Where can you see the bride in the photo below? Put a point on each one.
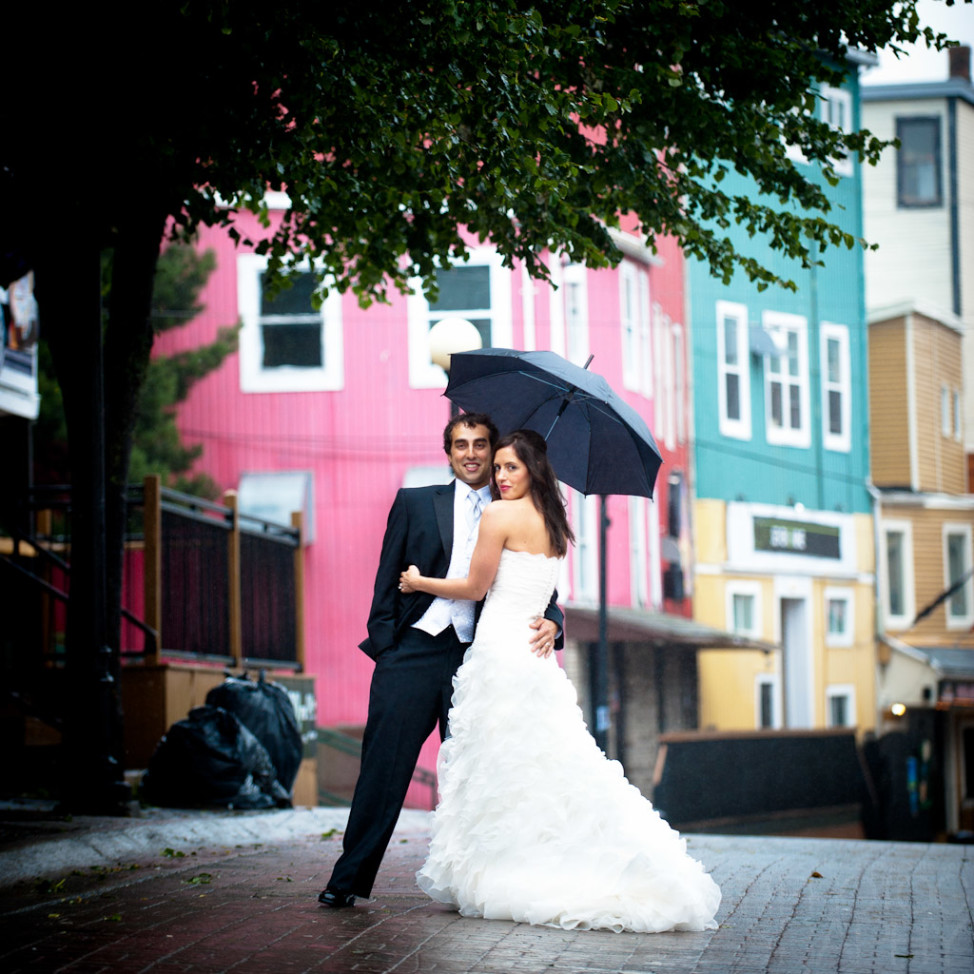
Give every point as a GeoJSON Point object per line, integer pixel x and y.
{"type": "Point", "coordinates": [534, 823]}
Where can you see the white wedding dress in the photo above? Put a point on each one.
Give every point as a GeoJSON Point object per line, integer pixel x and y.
{"type": "Point", "coordinates": [534, 823]}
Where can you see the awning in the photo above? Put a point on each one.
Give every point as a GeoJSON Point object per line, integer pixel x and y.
{"type": "Point", "coordinates": [662, 628]}
{"type": "Point", "coordinates": [947, 662]}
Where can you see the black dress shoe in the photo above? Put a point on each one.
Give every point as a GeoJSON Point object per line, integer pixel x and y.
{"type": "Point", "coordinates": [336, 898]}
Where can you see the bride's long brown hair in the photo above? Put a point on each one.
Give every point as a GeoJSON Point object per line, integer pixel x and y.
{"type": "Point", "coordinates": [530, 448]}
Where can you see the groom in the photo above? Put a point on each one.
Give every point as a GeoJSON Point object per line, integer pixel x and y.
{"type": "Point", "coordinates": [417, 643]}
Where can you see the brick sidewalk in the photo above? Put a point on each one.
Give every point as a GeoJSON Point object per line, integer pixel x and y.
{"type": "Point", "coordinates": [790, 905]}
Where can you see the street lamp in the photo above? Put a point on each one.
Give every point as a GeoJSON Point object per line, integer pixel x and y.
{"type": "Point", "coordinates": [451, 335]}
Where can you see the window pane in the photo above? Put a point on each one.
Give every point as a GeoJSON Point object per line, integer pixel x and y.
{"type": "Point", "coordinates": [295, 300]}
{"type": "Point", "coordinates": [733, 387]}
{"type": "Point", "coordinates": [766, 717]}
{"type": "Point", "coordinates": [837, 616]}
{"type": "Point", "coordinates": [462, 288]}
{"type": "Point", "coordinates": [918, 161]}
{"type": "Point", "coordinates": [894, 568]}
{"type": "Point", "coordinates": [777, 418]}
{"type": "Point", "coordinates": [298, 345]}
{"type": "Point", "coordinates": [835, 412]}
{"type": "Point", "coordinates": [792, 353]}
{"type": "Point", "coordinates": [956, 565]}
{"type": "Point", "coordinates": [839, 711]}
{"type": "Point", "coordinates": [730, 341]}
{"type": "Point", "coordinates": [795, 410]}
{"type": "Point", "coordinates": [743, 613]}
{"type": "Point", "coordinates": [834, 361]}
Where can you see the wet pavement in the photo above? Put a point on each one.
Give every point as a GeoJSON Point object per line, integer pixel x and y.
{"type": "Point", "coordinates": [211, 891]}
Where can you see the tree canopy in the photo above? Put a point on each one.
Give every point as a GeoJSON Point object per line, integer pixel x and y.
{"type": "Point", "coordinates": [391, 124]}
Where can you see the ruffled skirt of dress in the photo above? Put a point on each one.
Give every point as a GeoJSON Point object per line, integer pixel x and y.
{"type": "Point", "coordinates": [535, 824]}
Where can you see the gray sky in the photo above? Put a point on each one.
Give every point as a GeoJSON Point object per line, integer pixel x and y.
{"type": "Point", "coordinates": [957, 22]}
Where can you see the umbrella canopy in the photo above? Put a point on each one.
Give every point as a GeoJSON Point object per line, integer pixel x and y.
{"type": "Point", "coordinates": [597, 443]}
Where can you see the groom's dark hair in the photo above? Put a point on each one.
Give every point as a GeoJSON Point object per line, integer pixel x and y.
{"type": "Point", "coordinates": [469, 419]}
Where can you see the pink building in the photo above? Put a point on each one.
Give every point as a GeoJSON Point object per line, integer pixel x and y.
{"type": "Point", "coordinates": [333, 410]}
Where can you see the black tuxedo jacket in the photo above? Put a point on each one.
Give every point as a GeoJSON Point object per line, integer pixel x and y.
{"type": "Point", "coordinates": [419, 532]}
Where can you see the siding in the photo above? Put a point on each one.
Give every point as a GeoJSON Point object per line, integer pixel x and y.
{"type": "Point", "coordinates": [888, 406]}
{"type": "Point", "coordinates": [913, 260]}
{"type": "Point", "coordinates": [937, 364]}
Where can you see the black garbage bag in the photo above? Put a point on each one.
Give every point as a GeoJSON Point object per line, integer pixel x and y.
{"type": "Point", "coordinates": [266, 711]}
{"type": "Point", "coordinates": [210, 758]}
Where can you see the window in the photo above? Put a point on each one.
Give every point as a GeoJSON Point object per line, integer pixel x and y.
{"type": "Point", "coordinates": [918, 180]}
{"type": "Point", "coordinates": [744, 608]}
{"type": "Point", "coordinates": [576, 313]}
{"type": "Point", "coordinates": [957, 566]}
{"type": "Point", "coordinates": [840, 705]}
{"type": "Point", "coordinates": [585, 568]}
{"type": "Point", "coordinates": [766, 702]}
{"type": "Point", "coordinates": [837, 113]}
{"type": "Point", "coordinates": [950, 412]}
{"type": "Point", "coordinates": [897, 562]}
{"type": "Point", "coordinates": [638, 554]}
{"type": "Point", "coordinates": [838, 617]}
{"type": "Point", "coordinates": [478, 291]}
{"type": "Point", "coordinates": [634, 310]}
{"type": "Point", "coordinates": [786, 381]}
{"type": "Point", "coordinates": [733, 371]}
{"type": "Point", "coordinates": [836, 388]}
{"type": "Point", "coordinates": [286, 345]}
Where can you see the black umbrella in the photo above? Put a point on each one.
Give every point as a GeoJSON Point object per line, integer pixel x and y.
{"type": "Point", "coordinates": [597, 443]}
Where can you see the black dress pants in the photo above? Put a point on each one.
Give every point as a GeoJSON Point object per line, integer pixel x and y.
{"type": "Point", "coordinates": [412, 687]}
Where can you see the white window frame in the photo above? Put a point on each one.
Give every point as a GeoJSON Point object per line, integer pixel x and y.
{"type": "Point", "coordinates": [846, 595]}
{"type": "Point", "coordinates": [747, 589]}
{"type": "Point", "coordinates": [958, 416]}
{"type": "Point", "coordinates": [423, 373]}
{"type": "Point", "coordinates": [779, 325]}
{"type": "Point", "coordinates": [948, 529]}
{"type": "Point", "coordinates": [840, 690]}
{"type": "Point", "coordinates": [585, 557]}
{"type": "Point", "coordinates": [841, 441]}
{"type": "Point", "coordinates": [739, 428]}
{"type": "Point", "coordinates": [329, 377]}
{"type": "Point", "coordinates": [635, 328]}
{"type": "Point", "coordinates": [905, 619]}
{"type": "Point", "coordinates": [946, 420]}
{"type": "Point", "coordinates": [638, 553]}
{"type": "Point", "coordinates": [574, 286]}
{"type": "Point", "coordinates": [679, 382]}
{"type": "Point", "coordinates": [837, 112]}
{"type": "Point", "coordinates": [771, 680]}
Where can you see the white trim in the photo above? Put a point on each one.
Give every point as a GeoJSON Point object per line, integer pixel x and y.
{"type": "Point", "coordinates": [254, 377]}
{"type": "Point", "coordinates": [846, 595]}
{"type": "Point", "coordinates": [904, 620]}
{"type": "Point", "coordinates": [842, 441]}
{"type": "Point", "coordinates": [781, 324]}
{"type": "Point", "coordinates": [964, 530]}
{"type": "Point", "coordinates": [585, 555]}
{"type": "Point", "coordinates": [638, 553]}
{"type": "Point", "coordinates": [798, 685]}
{"type": "Point", "coordinates": [740, 427]}
{"type": "Point", "coordinates": [840, 100]}
{"type": "Point", "coordinates": [556, 310]}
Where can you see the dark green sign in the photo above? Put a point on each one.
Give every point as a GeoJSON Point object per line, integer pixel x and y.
{"type": "Point", "coordinates": [796, 537]}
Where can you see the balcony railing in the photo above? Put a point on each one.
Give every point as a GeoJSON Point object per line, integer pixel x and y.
{"type": "Point", "coordinates": [201, 581]}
